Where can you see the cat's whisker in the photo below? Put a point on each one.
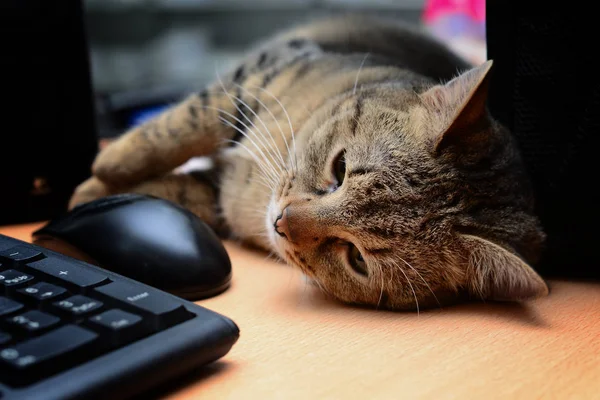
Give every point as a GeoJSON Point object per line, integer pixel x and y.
{"type": "Point", "coordinates": [262, 179]}
{"type": "Point", "coordinates": [260, 102]}
{"type": "Point", "coordinates": [237, 194]}
{"type": "Point", "coordinates": [252, 211]}
{"type": "Point", "coordinates": [411, 288]}
{"type": "Point", "coordinates": [391, 280]}
{"type": "Point", "coordinates": [271, 144]}
{"type": "Point", "coordinates": [259, 233]}
{"type": "Point", "coordinates": [479, 284]}
{"type": "Point", "coordinates": [267, 181]}
{"type": "Point", "coordinates": [296, 264]}
{"type": "Point", "coordinates": [266, 167]}
{"type": "Point", "coordinates": [229, 96]}
{"type": "Point", "coordinates": [262, 212]}
{"type": "Point", "coordinates": [319, 285]}
{"type": "Point", "coordinates": [261, 183]}
{"type": "Point", "coordinates": [263, 176]}
{"type": "Point", "coordinates": [423, 279]}
{"type": "Point", "coordinates": [304, 287]}
{"type": "Point", "coordinates": [358, 73]}
{"type": "Point", "coordinates": [263, 231]}
{"type": "Point", "coordinates": [272, 256]}
{"type": "Point", "coordinates": [294, 158]}
{"type": "Point", "coordinates": [382, 286]}
{"type": "Point", "coordinates": [275, 175]}
{"type": "Point", "coordinates": [249, 207]}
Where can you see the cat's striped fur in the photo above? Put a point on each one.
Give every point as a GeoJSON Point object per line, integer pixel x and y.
{"type": "Point", "coordinates": [359, 151]}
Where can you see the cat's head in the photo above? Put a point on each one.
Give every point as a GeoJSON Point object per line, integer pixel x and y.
{"type": "Point", "coordinates": [403, 198]}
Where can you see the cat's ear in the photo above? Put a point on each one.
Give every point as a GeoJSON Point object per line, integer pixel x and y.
{"type": "Point", "coordinates": [458, 107]}
{"type": "Point", "coordinates": [496, 274]}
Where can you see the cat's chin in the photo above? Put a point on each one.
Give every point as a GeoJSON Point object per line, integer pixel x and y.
{"type": "Point", "coordinates": [270, 218]}
{"type": "Point", "coordinates": [278, 244]}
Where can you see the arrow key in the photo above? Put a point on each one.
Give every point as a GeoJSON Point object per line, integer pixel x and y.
{"type": "Point", "coordinates": [42, 292]}
{"type": "Point", "coordinates": [33, 321]}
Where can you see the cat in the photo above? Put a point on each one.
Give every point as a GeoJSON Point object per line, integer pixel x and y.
{"type": "Point", "coordinates": [359, 150]}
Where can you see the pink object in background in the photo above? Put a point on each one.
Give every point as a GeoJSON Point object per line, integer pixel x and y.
{"type": "Point", "coordinates": [460, 24]}
{"type": "Point", "coordinates": [475, 9]}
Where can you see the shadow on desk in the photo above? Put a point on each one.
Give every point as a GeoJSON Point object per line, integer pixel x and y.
{"type": "Point", "coordinates": [308, 298]}
{"type": "Point", "coordinates": [198, 376]}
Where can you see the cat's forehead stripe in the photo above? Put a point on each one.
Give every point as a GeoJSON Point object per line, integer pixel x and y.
{"type": "Point", "coordinates": [378, 251]}
{"type": "Point", "coordinates": [356, 116]}
{"type": "Point", "coordinates": [361, 170]}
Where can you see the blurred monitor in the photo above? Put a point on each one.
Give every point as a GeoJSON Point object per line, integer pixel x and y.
{"type": "Point", "coordinates": [47, 115]}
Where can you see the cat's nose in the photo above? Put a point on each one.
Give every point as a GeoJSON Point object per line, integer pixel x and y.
{"type": "Point", "coordinates": [281, 224]}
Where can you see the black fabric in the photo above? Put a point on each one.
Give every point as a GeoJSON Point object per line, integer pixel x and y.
{"type": "Point", "coordinates": [546, 87]}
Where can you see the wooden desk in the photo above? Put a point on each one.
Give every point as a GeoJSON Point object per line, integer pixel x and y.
{"type": "Point", "coordinates": [297, 344]}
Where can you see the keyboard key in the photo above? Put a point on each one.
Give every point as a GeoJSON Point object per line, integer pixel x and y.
{"type": "Point", "coordinates": [33, 321]}
{"type": "Point", "coordinates": [20, 254]}
{"type": "Point", "coordinates": [4, 338]}
{"type": "Point", "coordinates": [58, 314]}
{"type": "Point", "coordinates": [8, 306]}
{"type": "Point", "coordinates": [48, 353]}
{"type": "Point", "coordinates": [42, 291]}
{"type": "Point", "coordinates": [78, 305]}
{"type": "Point", "coordinates": [120, 326]}
{"type": "Point", "coordinates": [162, 310]}
{"type": "Point", "coordinates": [69, 272]}
{"type": "Point", "coordinates": [11, 277]}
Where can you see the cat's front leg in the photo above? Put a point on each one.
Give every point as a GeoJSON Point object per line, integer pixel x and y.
{"type": "Point", "coordinates": [196, 192]}
{"type": "Point", "coordinates": [188, 129]}
{"type": "Point", "coordinates": [203, 122]}
{"type": "Point", "coordinates": [89, 190]}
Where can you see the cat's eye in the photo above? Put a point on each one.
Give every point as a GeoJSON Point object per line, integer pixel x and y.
{"type": "Point", "coordinates": [339, 168]}
{"type": "Point", "coordinates": [357, 261]}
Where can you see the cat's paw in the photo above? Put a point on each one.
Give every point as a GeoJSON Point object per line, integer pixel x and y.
{"type": "Point", "coordinates": [121, 163]}
{"type": "Point", "coordinates": [89, 190]}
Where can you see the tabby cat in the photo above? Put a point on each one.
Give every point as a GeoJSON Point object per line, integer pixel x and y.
{"type": "Point", "coordinates": [358, 150]}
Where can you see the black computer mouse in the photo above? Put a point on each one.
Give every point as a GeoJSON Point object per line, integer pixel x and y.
{"type": "Point", "coordinates": [144, 238]}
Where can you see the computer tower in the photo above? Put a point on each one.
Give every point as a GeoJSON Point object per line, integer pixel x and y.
{"type": "Point", "coordinates": [47, 127]}
{"type": "Point", "coordinates": [545, 88]}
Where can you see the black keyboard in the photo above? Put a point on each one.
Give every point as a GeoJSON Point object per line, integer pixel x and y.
{"type": "Point", "coordinates": [69, 329]}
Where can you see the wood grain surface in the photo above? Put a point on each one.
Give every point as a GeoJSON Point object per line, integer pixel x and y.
{"type": "Point", "coordinates": [297, 344]}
